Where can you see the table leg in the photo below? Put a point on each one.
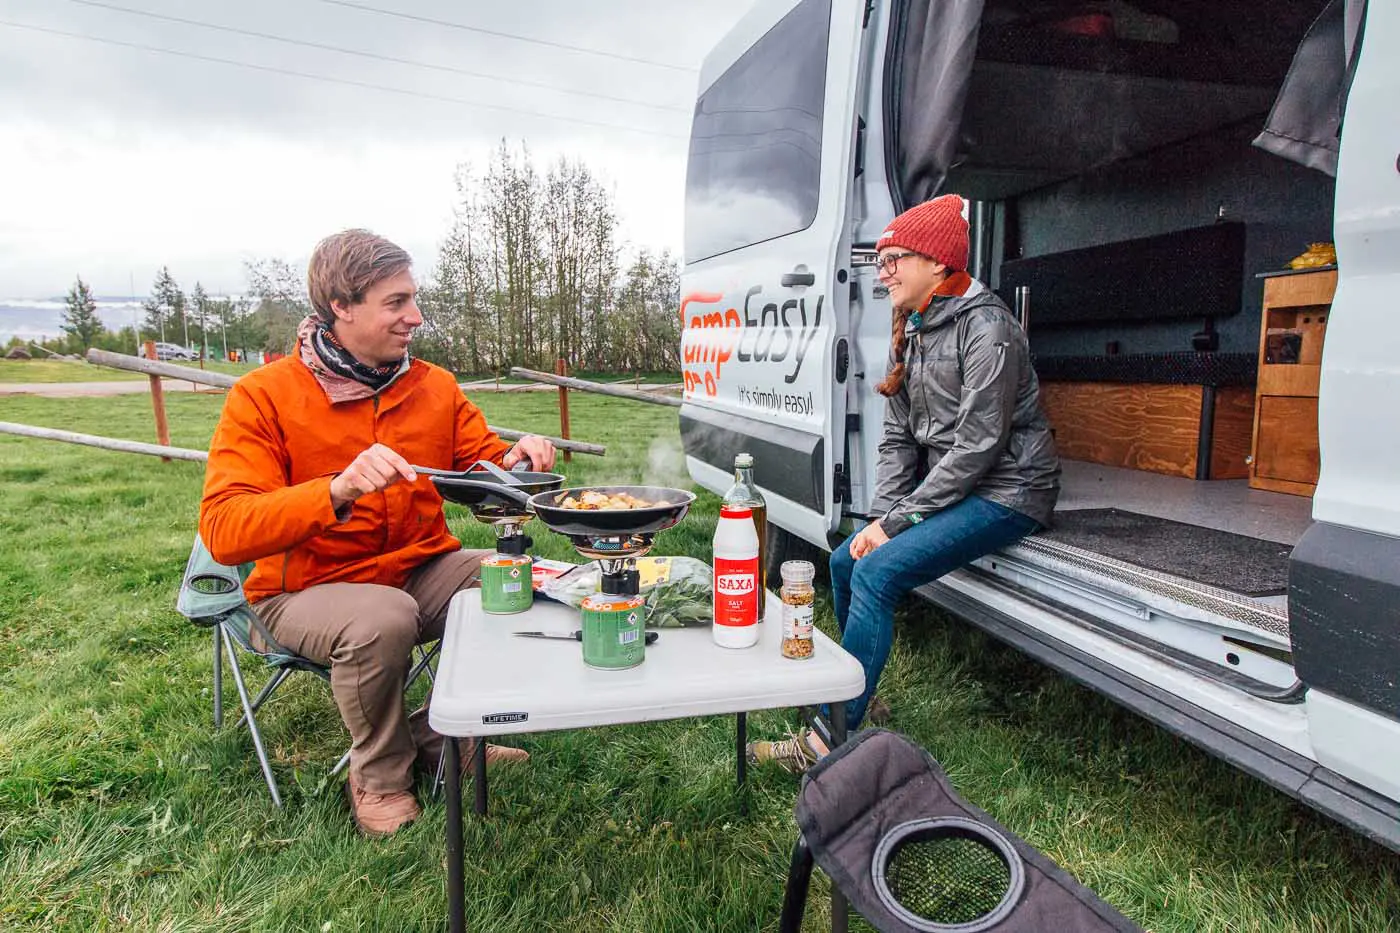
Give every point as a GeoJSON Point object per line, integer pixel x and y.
{"type": "Point", "coordinates": [479, 775]}
{"type": "Point", "coordinates": [741, 742]}
{"type": "Point", "coordinates": [456, 880]}
{"type": "Point", "coordinates": [840, 917]}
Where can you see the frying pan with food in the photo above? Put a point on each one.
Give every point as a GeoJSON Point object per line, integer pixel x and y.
{"type": "Point", "coordinates": [667, 506]}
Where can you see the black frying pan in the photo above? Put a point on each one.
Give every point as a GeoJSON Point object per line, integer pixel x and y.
{"type": "Point", "coordinates": [607, 522]}
{"type": "Point", "coordinates": [483, 491]}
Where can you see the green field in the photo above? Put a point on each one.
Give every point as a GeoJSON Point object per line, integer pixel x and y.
{"type": "Point", "coordinates": [12, 371]}
{"type": "Point", "coordinates": [120, 809]}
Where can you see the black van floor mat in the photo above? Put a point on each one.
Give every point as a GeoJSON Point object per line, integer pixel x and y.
{"type": "Point", "coordinates": [1249, 566]}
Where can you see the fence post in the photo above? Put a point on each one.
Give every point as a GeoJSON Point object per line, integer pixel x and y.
{"type": "Point", "coordinates": [158, 403]}
{"type": "Point", "coordinates": [561, 370]}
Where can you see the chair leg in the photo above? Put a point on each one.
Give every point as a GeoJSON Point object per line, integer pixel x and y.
{"type": "Point", "coordinates": [440, 776]}
{"type": "Point", "coordinates": [218, 677]}
{"type": "Point", "coordinates": [795, 894]}
{"type": "Point", "coordinates": [272, 684]}
{"type": "Point", "coordinates": [252, 725]}
{"type": "Point", "coordinates": [340, 765]}
{"type": "Point", "coordinates": [423, 666]}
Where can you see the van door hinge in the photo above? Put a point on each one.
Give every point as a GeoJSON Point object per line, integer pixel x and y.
{"type": "Point", "coordinates": [869, 8]}
{"type": "Point", "coordinates": [852, 423]}
{"type": "Point", "coordinates": [841, 485]}
{"type": "Point", "coordinates": [860, 147]}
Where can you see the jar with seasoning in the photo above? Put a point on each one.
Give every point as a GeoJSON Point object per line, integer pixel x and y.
{"type": "Point", "coordinates": [799, 600]}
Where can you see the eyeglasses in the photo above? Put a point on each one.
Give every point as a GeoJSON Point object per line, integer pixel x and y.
{"type": "Point", "coordinates": [890, 262]}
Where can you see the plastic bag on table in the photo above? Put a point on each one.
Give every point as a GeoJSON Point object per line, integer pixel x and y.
{"type": "Point", "coordinates": [677, 589]}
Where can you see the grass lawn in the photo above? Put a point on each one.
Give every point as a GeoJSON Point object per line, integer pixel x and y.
{"type": "Point", "coordinates": [120, 809]}
{"type": "Point", "coordinates": [78, 371]}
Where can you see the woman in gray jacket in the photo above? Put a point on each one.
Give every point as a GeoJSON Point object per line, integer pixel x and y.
{"type": "Point", "coordinates": [963, 399]}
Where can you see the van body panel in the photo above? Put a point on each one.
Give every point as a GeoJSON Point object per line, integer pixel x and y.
{"type": "Point", "coordinates": [1357, 486]}
{"type": "Point", "coordinates": [761, 321]}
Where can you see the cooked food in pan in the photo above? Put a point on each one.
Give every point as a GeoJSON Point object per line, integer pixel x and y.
{"type": "Point", "coordinates": [592, 499]}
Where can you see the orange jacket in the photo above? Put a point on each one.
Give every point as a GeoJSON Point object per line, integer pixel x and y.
{"type": "Point", "coordinates": [279, 443]}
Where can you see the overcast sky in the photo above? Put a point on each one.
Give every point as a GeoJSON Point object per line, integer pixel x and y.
{"type": "Point", "coordinates": [116, 160]}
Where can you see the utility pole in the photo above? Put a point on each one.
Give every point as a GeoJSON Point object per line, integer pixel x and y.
{"type": "Point", "coordinates": [223, 324]}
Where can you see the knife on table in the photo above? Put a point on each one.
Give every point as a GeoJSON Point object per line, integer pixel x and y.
{"type": "Point", "coordinates": [576, 635]}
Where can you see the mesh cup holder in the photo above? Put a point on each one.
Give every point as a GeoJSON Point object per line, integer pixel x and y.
{"type": "Point", "coordinates": [947, 875]}
{"type": "Point", "coordinates": [209, 584]}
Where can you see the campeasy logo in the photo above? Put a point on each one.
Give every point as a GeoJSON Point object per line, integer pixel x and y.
{"type": "Point", "coordinates": [711, 337]}
{"type": "Point", "coordinates": [735, 584]}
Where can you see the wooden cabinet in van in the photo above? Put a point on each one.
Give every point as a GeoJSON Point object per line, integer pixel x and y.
{"type": "Point", "coordinates": [1285, 453]}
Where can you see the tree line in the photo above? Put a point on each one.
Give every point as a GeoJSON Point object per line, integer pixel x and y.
{"type": "Point", "coordinates": [531, 271]}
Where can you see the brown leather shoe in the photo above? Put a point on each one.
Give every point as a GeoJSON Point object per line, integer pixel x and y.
{"type": "Point", "coordinates": [430, 753]}
{"type": "Point", "coordinates": [380, 814]}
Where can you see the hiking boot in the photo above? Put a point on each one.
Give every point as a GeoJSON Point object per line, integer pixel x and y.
{"type": "Point", "coordinates": [877, 712]}
{"type": "Point", "coordinates": [795, 754]}
{"type": "Point", "coordinates": [430, 754]}
{"type": "Point", "coordinates": [380, 814]}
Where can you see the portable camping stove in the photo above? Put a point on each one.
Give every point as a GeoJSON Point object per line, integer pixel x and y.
{"type": "Point", "coordinates": [499, 500]}
{"type": "Point", "coordinates": [614, 619]}
{"type": "Point", "coordinates": [505, 575]}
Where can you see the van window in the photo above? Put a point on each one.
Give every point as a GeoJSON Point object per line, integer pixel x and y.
{"type": "Point", "coordinates": [755, 144]}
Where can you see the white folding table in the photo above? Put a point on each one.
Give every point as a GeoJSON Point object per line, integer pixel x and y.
{"type": "Point", "coordinates": [492, 683]}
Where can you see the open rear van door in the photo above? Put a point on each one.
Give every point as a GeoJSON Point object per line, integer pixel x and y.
{"type": "Point", "coordinates": [764, 303]}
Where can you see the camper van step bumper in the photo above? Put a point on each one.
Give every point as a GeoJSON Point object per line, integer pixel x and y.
{"type": "Point", "coordinates": [1140, 583]}
{"type": "Point", "coordinates": [1293, 693]}
{"type": "Point", "coordinates": [1368, 813]}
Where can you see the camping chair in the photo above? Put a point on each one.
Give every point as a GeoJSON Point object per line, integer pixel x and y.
{"type": "Point", "coordinates": [211, 595]}
{"type": "Point", "coordinates": [886, 826]}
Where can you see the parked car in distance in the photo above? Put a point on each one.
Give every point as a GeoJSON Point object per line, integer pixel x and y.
{"type": "Point", "coordinates": [173, 351]}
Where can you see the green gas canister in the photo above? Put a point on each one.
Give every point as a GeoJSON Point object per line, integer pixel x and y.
{"type": "Point", "coordinates": [614, 630]}
{"type": "Point", "coordinates": [505, 583]}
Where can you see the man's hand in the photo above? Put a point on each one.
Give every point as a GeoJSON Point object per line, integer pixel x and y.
{"type": "Point", "coordinates": [869, 538]}
{"type": "Point", "coordinates": [374, 469]}
{"type": "Point", "coordinates": [538, 450]}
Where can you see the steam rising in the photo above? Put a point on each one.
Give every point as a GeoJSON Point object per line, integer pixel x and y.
{"type": "Point", "coordinates": [666, 464]}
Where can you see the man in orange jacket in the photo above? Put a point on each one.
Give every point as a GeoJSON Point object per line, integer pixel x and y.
{"type": "Point", "coordinates": [309, 477]}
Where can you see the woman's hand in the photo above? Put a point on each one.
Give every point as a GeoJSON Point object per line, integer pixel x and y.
{"type": "Point", "coordinates": [869, 538]}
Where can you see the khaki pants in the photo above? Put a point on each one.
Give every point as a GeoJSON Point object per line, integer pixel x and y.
{"type": "Point", "coordinates": [366, 633]}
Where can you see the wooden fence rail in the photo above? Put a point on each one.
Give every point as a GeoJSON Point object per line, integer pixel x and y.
{"type": "Point", "coordinates": [106, 443]}
{"type": "Point", "coordinates": [136, 364]}
{"type": "Point", "coordinates": [583, 385]}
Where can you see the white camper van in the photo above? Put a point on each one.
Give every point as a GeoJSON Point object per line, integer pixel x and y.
{"type": "Point", "coordinates": [1144, 180]}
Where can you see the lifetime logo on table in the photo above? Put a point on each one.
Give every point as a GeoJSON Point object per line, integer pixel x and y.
{"type": "Point", "coordinates": [502, 719]}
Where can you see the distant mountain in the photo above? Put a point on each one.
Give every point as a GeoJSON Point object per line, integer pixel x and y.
{"type": "Point", "coordinates": [37, 318]}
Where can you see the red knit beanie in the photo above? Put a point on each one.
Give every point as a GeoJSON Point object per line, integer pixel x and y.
{"type": "Point", "coordinates": [935, 229]}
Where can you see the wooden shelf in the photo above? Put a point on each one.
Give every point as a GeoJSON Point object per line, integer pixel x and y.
{"type": "Point", "coordinates": [1286, 456]}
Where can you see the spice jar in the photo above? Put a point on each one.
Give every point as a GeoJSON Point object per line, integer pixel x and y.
{"type": "Point", "coordinates": [798, 598]}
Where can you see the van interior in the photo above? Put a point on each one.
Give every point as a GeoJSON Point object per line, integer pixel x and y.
{"type": "Point", "coordinates": [1120, 205]}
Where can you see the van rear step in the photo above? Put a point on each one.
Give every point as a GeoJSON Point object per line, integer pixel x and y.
{"type": "Point", "coordinates": [1207, 631]}
{"type": "Point", "coordinates": [1374, 816]}
{"type": "Point", "coordinates": [1175, 595]}
{"type": "Point", "coordinates": [1164, 652]}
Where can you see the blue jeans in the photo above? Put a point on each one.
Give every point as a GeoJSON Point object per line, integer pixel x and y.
{"type": "Point", "coordinates": [866, 591]}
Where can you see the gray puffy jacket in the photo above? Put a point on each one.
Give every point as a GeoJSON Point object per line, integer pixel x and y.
{"type": "Point", "coordinates": [972, 400]}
